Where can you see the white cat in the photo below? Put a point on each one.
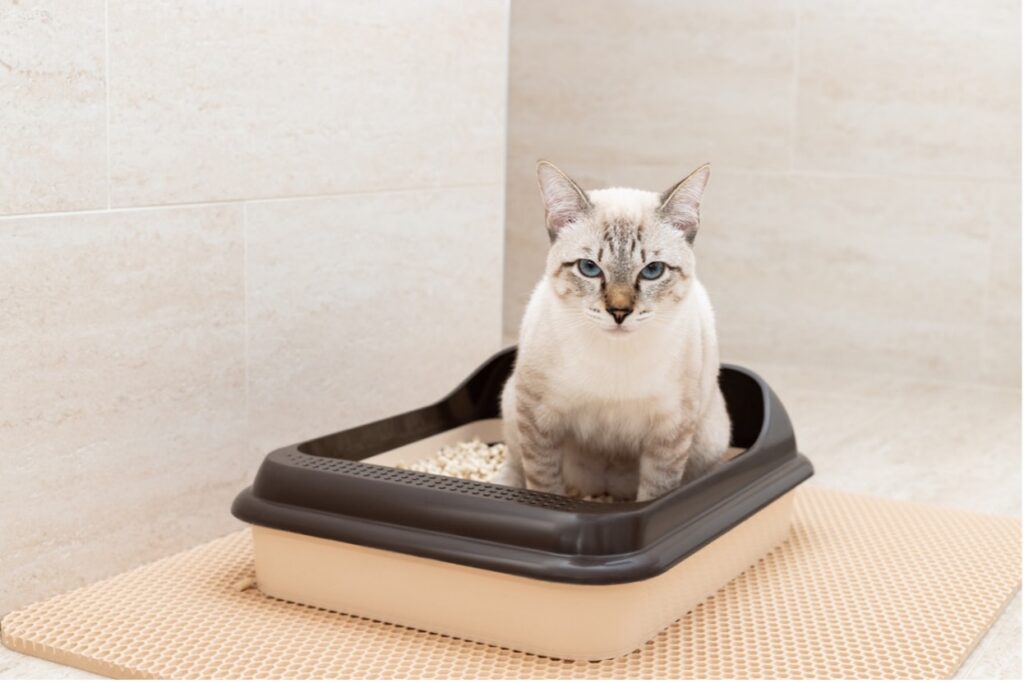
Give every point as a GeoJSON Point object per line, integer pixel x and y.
{"type": "Point", "coordinates": [615, 388]}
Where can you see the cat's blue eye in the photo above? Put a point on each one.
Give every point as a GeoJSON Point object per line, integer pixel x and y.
{"type": "Point", "coordinates": [588, 268]}
{"type": "Point", "coordinates": [653, 270]}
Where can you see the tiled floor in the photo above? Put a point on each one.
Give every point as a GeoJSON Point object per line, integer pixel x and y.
{"type": "Point", "coordinates": [954, 445]}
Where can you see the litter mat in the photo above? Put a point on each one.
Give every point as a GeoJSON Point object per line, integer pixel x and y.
{"type": "Point", "coordinates": [862, 588]}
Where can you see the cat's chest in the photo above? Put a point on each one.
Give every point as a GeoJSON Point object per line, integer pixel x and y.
{"type": "Point", "coordinates": [612, 425]}
{"type": "Point", "coordinates": [639, 377]}
{"type": "Point", "coordinates": [615, 405]}
{"type": "Point", "coordinates": [625, 391]}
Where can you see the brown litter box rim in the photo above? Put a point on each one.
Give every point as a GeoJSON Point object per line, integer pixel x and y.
{"type": "Point", "coordinates": [301, 489]}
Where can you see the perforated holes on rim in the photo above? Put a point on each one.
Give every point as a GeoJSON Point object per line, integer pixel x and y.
{"type": "Point", "coordinates": [480, 489]}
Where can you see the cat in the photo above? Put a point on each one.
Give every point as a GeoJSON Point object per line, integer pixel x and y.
{"type": "Point", "coordinates": [615, 386]}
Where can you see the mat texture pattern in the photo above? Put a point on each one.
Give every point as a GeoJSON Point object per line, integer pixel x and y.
{"type": "Point", "coordinates": [864, 588]}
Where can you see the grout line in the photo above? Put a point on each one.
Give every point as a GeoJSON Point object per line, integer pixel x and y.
{"type": "Point", "coordinates": [247, 200]}
{"type": "Point", "coordinates": [106, 72]}
{"type": "Point", "coordinates": [671, 167]}
{"type": "Point", "coordinates": [801, 173]}
{"type": "Point", "coordinates": [852, 175]}
{"type": "Point", "coordinates": [502, 304]}
{"type": "Point", "coordinates": [794, 128]}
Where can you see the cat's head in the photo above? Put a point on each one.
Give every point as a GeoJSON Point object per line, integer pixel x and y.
{"type": "Point", "coordinates": [621, 258]}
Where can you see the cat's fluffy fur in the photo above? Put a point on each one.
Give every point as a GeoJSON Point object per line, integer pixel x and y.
{"type": "Point", "coordinates": [595, 405]}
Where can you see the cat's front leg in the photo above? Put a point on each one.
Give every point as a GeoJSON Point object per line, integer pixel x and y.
{"type": "Point", "coordinates": [663, 461]}
{"type": "Point", "coordinates": [539, 444]}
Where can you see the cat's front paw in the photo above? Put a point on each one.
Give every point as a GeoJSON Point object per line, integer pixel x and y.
{"type": "Point", "coordinates": [508, 475]}
{"type": "Point", "coordinates": [646, 493]}
{"type": "Point", "coordinates": [557, 488]}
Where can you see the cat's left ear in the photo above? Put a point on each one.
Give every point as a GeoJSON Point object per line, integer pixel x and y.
{"type": "Point", "coordinates": [680, 204]}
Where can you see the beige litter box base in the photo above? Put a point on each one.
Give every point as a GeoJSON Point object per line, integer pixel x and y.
{"type": "Point", "coordinates": [863, 588]}
{"type": "Point", "coordinates": [570, 621]}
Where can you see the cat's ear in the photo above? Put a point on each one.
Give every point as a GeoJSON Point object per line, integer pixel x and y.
{"type": "Point", "coordinates": [564, 201]}
{"type": "Point", "coordinates": [680, 204]}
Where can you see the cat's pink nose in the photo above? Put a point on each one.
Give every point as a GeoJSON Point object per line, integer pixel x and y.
{"type": "Point", "coordinates": [620, 314]}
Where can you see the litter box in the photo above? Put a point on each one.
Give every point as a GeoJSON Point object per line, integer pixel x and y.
{"type": "Point", "coordinates": [336, 526]}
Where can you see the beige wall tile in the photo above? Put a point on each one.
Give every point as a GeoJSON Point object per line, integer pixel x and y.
{"type": "Point", "coordinates": [1001, 353]}
{"type": "Point", "coordinates": [926, 87]}
{"type": "Point", "coordinates": [362, 306]}
{"type": "Point", "coordinates": [609, 85]}
{"type": "Point", "coordinates": [122, 387]}
{"type": "Point", "coordinates": [526, 241]}
{"type": "Point", "coordinates": [52, 106]}
{"type": "Point", "coordinates": [652, 81]}
{"type": "Point", "coordinates": [872, 274]}
{"type": "Point", "coordinates": [213, 101]}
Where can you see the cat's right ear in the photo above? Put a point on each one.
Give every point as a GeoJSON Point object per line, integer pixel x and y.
{"type": "Point", "coordinates": [564, 201]}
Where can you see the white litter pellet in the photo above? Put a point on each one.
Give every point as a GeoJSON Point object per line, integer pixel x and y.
{"type": "Point", "coordinates": [474, 460]}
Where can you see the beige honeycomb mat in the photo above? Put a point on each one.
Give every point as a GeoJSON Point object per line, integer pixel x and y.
{"type": "Point", "coordinates": [864, 588]}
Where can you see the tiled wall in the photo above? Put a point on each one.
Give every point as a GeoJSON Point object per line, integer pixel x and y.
{"type": "Point", "coordinates": [225, 227]}
{"type": "Point", "coordinates": [864, 204]}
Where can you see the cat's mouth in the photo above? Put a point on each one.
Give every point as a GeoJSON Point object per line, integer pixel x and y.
{"type": "Point", "coordinates": [630, 325]}
{"type": "Point", "coordinates": [608, 324]}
